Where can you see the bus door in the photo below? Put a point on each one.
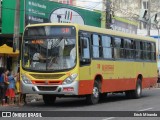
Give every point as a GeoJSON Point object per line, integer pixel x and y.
{"type": "Point", "coordinates": [85, 61]}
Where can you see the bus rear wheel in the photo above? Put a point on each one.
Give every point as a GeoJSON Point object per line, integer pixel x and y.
{"type": "Point", "coordinates": [94, 97]}
{"type": "Point", "coordinates": [135, 94]}
{"type": "Point", "coordinates": [138, 91]}
{"type": "Point", "coordinates": [49, 99]}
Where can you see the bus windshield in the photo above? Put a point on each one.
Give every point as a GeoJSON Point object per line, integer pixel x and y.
{"type": "Point", "coordinates": [45, 50]}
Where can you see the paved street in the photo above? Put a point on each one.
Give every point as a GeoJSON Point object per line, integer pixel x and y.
{"type": "Point", "coordinates": [149, 102]}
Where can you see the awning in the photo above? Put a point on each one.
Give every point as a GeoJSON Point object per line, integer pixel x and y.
{"type": "Point", "coordinates": [6, 50]}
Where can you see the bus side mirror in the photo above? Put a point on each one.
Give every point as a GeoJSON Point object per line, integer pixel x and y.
{"type": "Point", "coordinates": [84, 43]}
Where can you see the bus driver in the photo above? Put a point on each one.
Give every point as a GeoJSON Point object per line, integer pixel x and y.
{"type": "Point", "coordinates": [36, 58]}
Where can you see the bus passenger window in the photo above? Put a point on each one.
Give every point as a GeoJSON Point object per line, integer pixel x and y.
{"type": "Point", "coordinates": [128, 48]}
{"type": "Point", "coordinates": [107, 47]}
{"type": "Point", "coordinates": [95, 46]}
{"type": "Point", "coordinates": [122, 49]}
{"type": "Point", "coordinates": [145, 50]}
{"type": "Point", "coordinates": [85, 48]}
{"type": "Point", "coordinates": [153, 51]}
{"type": "Point", "coordinates": [141, 50]}
{"type": "Point", "coordinates": [138, 52]}
{"type": "Point", "coordinates": [133, 49]}
{"type": "Point", "coordinates": [117, 46]}
{"type": "Point", "coordinates": [148, 51]}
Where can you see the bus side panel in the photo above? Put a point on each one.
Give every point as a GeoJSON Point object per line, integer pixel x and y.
{"type": "Point", "coordinates": [114, 85]}
{"type": "Point", "coordinates": [117, 75]}
{"type": "Point", "coordinates": [149, 82]}
{"type": "Point", "coordinates": [150, 76]}
{"type": "Point", "coordinates": [85, 87]}
{"type": "Point", "coordinates": [85, 81]}
{"type": "Point", "coordinates": [149, 73]}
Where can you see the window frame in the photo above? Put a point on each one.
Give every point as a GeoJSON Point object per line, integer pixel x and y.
{"type": "Point", "coordinates": [135, 47]}
{"type": "Point", "coordinates": [107, 47]}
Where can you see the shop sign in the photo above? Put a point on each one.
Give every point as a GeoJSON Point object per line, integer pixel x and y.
{"type": "Point", "coordinates": [66, 15]}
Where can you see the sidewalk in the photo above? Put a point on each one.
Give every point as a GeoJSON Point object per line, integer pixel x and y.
{"type": "Point", "coordinates": [29, 98]}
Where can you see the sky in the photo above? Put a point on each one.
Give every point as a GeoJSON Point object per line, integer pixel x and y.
{"type": "Point", "coordinates": [90, 4]}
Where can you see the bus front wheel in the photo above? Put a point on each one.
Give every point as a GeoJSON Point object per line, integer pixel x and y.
{"type": "Point", "coordinates": [94, 97]}
{"type": "Point", "coordinates": [103, 96]}
{"type": "Point", "coordinates": [49, 99]}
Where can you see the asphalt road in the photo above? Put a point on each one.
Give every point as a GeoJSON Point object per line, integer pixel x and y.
{"type": "Point", "coordinates": [149, 102]}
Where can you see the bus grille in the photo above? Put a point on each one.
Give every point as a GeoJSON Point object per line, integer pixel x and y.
{"type": "Point", "coordinates": [47, 76]}
{"type": "Point", "coordinates": [47, 88]}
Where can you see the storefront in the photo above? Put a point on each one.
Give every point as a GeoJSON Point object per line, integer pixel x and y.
{"type": "Point", "coordinates": [124, 25]}
{"type": "Point", "coordinates": [8, 58]}
{"type": "Point", "coordinates": [36, 11]}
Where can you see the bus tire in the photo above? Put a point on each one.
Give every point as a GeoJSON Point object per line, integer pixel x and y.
{"type": "Point", "coordinates": [103, 96]}
{"type": "Point", "coordinates": [128, 94]}
{"type": "Point", "coordinates": [49, 99]}
{"type": "Point", "coordinates": [94, 97]}
{"type": "Point", "coordinates": [138, 91]}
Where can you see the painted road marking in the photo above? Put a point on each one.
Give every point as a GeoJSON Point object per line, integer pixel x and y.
{"type": "Point", "coordinates": [108, 118]}
{"type": "Point", "coordinates": [145, 109]}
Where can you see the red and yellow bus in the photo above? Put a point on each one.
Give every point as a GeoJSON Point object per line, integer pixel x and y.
{"type": "Point", "coordinates": [61, 59]}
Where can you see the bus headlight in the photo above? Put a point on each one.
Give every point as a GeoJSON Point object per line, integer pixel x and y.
{"type": "Point", "coordinates": [70, 79]}
{"type": "Point", "coordinates": [26, 80]}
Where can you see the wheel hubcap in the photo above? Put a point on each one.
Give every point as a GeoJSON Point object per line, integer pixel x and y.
{"type": "Point", "coordinates": [95, 92]}
{"type": "Point", "coordinates": [139, 90]}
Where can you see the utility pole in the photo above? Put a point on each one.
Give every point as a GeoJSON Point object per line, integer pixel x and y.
{"type": "Point", "coordinates": [103, 14]}
{"type": "Point", "coordinates": [140, 7]}
{"type": "Point", "coordinates": [149, 15]}
{"type": "Point", "coordinates": [108, 14]}
{"type": "Point", "coordinates": [103, 5]}
{"type": "Point", "coordinates": [16, 26]}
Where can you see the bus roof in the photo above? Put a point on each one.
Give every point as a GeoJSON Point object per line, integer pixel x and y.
{"type": "Point", "coordinates": [99, 30]}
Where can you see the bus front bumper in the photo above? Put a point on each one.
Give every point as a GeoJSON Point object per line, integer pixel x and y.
{"type": "Point", "coordinates": [69, 89]}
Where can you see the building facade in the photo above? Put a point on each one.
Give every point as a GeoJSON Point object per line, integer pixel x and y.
{"type": "Point", "coordinates": [130, 9]}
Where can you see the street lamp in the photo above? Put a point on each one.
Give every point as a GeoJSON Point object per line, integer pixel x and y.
{"type": "Point", "coordinates": [148, 19]}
